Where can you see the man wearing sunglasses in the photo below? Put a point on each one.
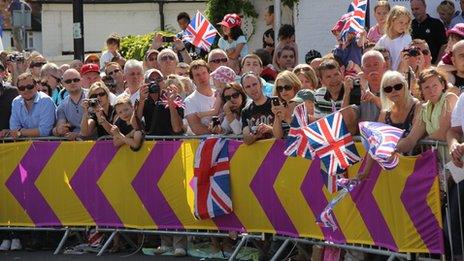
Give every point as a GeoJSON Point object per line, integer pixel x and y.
{"type": "Point", "coordinates": [32, 112]}
{"type": "Point", "coordinates": [69, 112]}
{"type": "Point", "coordinates": [167, 59]}
{"type": "Point", "coordinates": [114, 71]}
{"type": "Point", "coordinates": [216, 58]}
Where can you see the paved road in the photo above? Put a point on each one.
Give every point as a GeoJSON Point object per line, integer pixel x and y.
{"type": "Point", "coordinates": [47, 255]}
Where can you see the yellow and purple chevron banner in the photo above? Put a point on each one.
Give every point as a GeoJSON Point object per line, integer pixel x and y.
{"type": "Point", "coordinates": [46, 183]}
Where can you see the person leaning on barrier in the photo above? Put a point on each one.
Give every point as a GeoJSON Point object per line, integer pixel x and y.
{"type": "Point", "coordinates": [435, 118]}
{"type": "Point", "coordinates": [286, 86]}
{"type": "Point", "coordinates": [234, 100]}
{"type": "Point", "coordinates": [69, 112]}
{"type": "Point", "coordinates": [7, 94]}
{"type": "Point", "coordinates": [257, 116]}
{"type": "Point", "coordinates": [128, 128]}
{"type": "Point", "coordinates": [98, 113]}
{"type": "Point", "coordinates": [252, 63]}
{"type": "Point", "coordinates": [155, 96]}
{"type": "Point", "coordinates": [32, 112]}
{"type": "Point", "coordinates": [456, 150]}
{"type": "Point", "coordinates": [201, 100]}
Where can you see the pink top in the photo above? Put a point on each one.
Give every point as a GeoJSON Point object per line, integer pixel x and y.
{"type": "Point", "coordinates": [374, 34]}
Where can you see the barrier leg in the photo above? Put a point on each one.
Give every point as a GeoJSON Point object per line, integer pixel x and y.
{"type": "Point", "coordinates": [237, 249]}
{"type": "Point", "coordinates": [128, 240]}
{"type": "Point", "coordinates": [108, 242]}
{"type": "Point", "coordinates": [280, 250]}
{"type": "Point", "coordinates": [63, 240]}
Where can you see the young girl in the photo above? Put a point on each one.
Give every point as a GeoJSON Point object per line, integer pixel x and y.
{"type": "Point", "coordinates": [127, 129]}
{"type": "Point", "coordinates": [396, 36]}
{"type": "Point", "coordinates": [381, 10]}
{"type": "Point", "coordinates": [233, 42]}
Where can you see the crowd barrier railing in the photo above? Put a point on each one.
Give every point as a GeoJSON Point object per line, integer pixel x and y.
{"type": "Point", "coordinates": [255, 164]}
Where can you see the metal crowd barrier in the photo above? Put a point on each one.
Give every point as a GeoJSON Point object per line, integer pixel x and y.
{"type": "Point", "coordinates": [455, 246]}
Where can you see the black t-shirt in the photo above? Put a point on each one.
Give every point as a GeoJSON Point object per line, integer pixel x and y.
{"type": "Point", "coordinates": [253, 115]}
{"type": "Point", "coordinates": [458, 82]}
{"type": "Point", "coordinates": [124, 128]}
{"type": "Point", "coordinates": [158, 118]}
{"type": "Point", "coordinates": [7, 94]}
{"type": "Point", "coordinates": [110, 118]}
{"type": "Point", "coordinates": [432, 31]}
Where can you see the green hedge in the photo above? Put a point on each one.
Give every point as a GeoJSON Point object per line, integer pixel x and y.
{"type": "Point", "coordinates": [135, 46]}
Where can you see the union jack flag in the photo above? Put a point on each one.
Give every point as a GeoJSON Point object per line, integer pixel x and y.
{"type": "Point", "coordinates": [200, 32]}
{"type": "Point", "coordinates": [356, 18]}
{"type": "Point", "coordinates": [178, 101]}
{"type": "Point", "coordinates": [331, 181]}
{"type": "Point", "coordinates": [211, 181]}
{"type": "Point", "coordinates": [380, 140]}
{"type": "Point", "coordinates": [332, 143]}
{"type": "Point", "coordinates": [297, 139]}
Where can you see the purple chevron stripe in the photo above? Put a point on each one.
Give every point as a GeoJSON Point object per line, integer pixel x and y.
{"type": "Point", "coordinates": [312, 191]}
{"type": "Point", "coordinates": [146, 184]}
{"type": "Point", "coordinates": [414, 198]}
{"type": "Point", "coordinates": [262, 186]}
{"type": "Point", "coordinates": [230, 221]}
{"type": "Point", "coordinates": [370, 211]}
{"type": "Point", "coordinates": [22, 183]}
{"type": "Point", "coordinates": [84, 184]}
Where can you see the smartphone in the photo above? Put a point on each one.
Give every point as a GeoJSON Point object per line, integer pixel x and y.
{"type": "Point", "coordinates": [168, 39]}
{"type": "Point", "coordinates": [275, 101]}
{"type": "Point", "coordinates": [216, 121]}
{"type": "Point", "coordinates": [355, 95]}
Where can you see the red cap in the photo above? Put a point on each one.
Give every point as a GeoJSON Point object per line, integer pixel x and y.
{"type": "Point", "coordinates": [90, 67]}
{"type": "Point", "coordinates": [231, 21]}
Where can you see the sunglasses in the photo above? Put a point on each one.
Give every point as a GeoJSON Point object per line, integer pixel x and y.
{"type": "Point", "coordinates": [151, 59]}
{"type": "Point", "coordinates": [229, 97]}
{"type": "Point", "coordinates": [32, 65]}
{"type": "Point", "coordinates": [100, 94]}
{"type": "Point", "coordinates": [168, 57]}
{"type": "Point", "coordinates": [24, 87]}
{"type": "Point", "coordinates": [222, 60]}
{"type": "Point", "coordinates": [389, 89]}
{"type": "Point", "coordinates": [113, 72]}
{"type": "Point", "coordinates": [286, 87]}
{"type": "Point", "coordinates": [68, 81]}
{"type": "Point", "coordinates": [44, 83]}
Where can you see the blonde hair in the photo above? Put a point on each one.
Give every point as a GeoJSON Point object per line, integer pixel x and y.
{"type": "Point", "coordinates": [382, 3]}
{"type": "Point", "coordinates": [175, 80]}
{"type": "Point", "coordinates": [395, 13]}
{"type": "Point", "coordinates": [99, 85]}
{"type": "Point", "coordinates": [308, 72]}
{"type": "Point", "coordinates": [122, 99]}
{"type": "Point", "coordinates": [288, 77]}
{"type": "Point", "coordinates": [388, 76]}
{"type": "Point", "coordinates": [447, 7]}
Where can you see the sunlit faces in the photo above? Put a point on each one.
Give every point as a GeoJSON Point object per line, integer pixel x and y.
{"type": "Point", "coordinates": [432, 89]}
{"type": "Point", "coordinates": [201, 76]}
{"type": "Point", "coordinates": [401, 24]}
{"type": "Point", "coordinates": [252, 87]}
{"type": "Point", "coordinates": [27, 88]}
{"type": "Point", "coordinates": [124, 111]}
{"type": "Point", "coordinates": [252, 65]}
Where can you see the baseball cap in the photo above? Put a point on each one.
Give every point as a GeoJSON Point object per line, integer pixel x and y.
{"type": "Point", "coordinates": [304, 95]}
{"type": "Point", "coordinates": [90, 67]}
{"type": "Point", "coordinates": [92, 57]}
{"type": "Point", "coordinates": [457, 29]}
{"type": "Point", "coordinates": [223, 74]}
{"type": "Point", "coordinates": [231, 21]}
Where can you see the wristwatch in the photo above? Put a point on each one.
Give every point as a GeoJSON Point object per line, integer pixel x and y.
{"type": "Point", "coordinates": [18, 133]}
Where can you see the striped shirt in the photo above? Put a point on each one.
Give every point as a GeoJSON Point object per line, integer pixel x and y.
{"type": "Point", "coordinates": [324, 105]}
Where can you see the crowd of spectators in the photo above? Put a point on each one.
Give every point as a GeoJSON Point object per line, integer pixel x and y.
{"type": "Point", "coordinates": [406, 71]}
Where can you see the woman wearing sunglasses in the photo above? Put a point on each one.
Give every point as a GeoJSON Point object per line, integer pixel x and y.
{"type": "Point", "coordinates": [286, 86]}
{"type": "Point", "coordinates": [234, 100]}
{"type": "Point", "coordinates": [98, 112]}
{"type": "Point", "coordinates": [399, 107]}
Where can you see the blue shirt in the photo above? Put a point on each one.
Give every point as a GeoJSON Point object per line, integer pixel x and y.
{"type": "Point", "coordinates": [41, 116]}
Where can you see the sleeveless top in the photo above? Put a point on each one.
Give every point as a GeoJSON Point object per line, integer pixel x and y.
{"type": "Point", "coordinates": [431, 114]}
{"type": "Point", "coordinates": [406, 125]}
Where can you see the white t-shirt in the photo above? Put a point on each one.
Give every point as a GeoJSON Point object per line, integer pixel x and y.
{"type": "Point", "coordinates": [105, 58]}
{"type": "Point", "coordinates": [226, 45]}
{"type": "Point", "coordinates": [395, 47]}
{"type": "Point", "coordinates": [457, 117]}
{"type": "Point", "coordinates": [197, 102]}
